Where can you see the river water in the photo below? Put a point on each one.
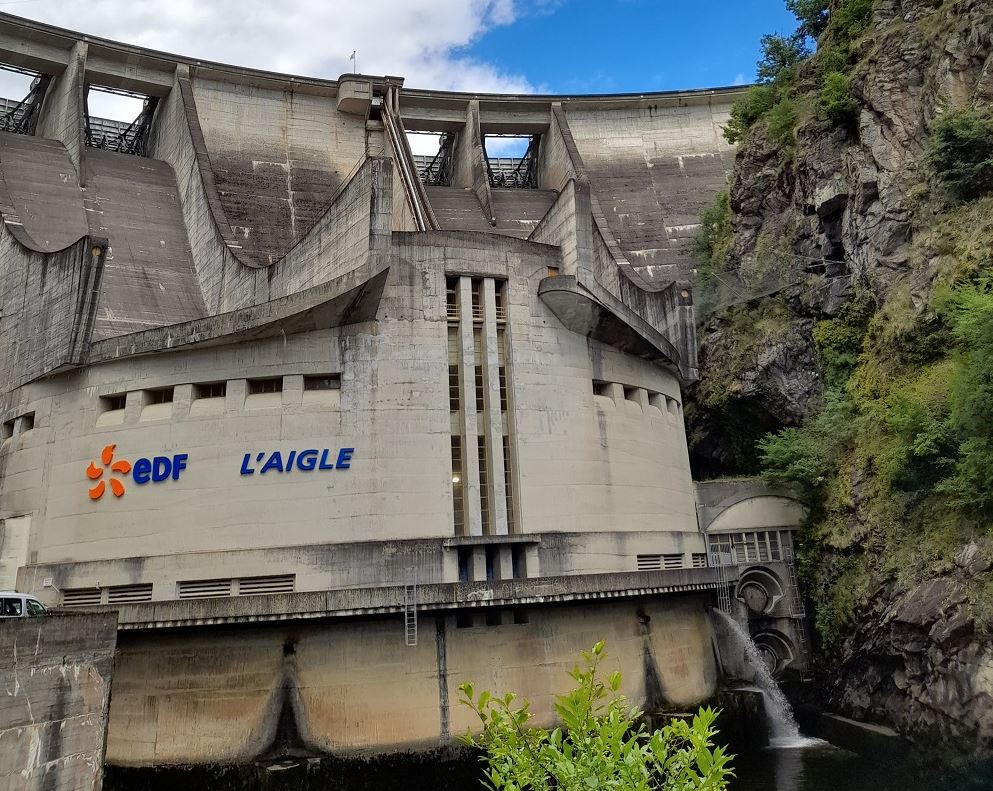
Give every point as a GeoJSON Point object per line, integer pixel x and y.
{"type": "Point", "coordinates": [828, 768]}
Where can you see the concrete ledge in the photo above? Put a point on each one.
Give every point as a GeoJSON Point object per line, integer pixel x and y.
{"type": "Point", "coordinates": [430, 598]}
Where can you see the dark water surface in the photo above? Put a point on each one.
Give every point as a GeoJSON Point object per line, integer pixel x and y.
{"type": "Point", "coordinates": [829, 768]}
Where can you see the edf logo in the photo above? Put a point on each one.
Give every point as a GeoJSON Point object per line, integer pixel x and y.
{"type": "Point", "coordinates": [154, 470]}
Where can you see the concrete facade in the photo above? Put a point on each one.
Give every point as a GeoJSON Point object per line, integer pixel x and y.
{"type": "Point", "coordinates": [330, 439]}
{"type": "Point", "coordinates": [56, 673]}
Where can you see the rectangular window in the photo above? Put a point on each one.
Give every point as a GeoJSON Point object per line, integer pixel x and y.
{"type": "Point", "coordinates": [458, 486]}
{"type": "Point", "coordinates": [491, 563]}
{"type": "Point", "coordinates": [631, 394]}
{"type": "Point", "coordinates": [508, 485]}
{"type": "Point", "coordinates": [111, 403]}
{"type": "Point", "coordinates": [477, 352]}
{"type": "Point", "coordinates": [259, 386]}
{"type": "Point", "coordinates": [465, 563]}
{"type": "Point", "coordinates": [553, 271]}
{"type": "Point", "coordinates": [210, 390]}
{"type": "Point", "coordinates": [484, 486]}
{"type": "Point", "coordinates": [7, 431]}
{"type": "Point", "coordinates": [322, 382]}
{"type": "Point", "coordinates": [162, 395]}
{"type": "Point", "coordinates": [501, 302]}
{"type": "Point", "coordinates": [27, 422]}
{"type": "Point", "coordinates": [480, 393]}
{"type": "Point", "coordinates": [453, 388]}
{"type": "Point", "coordinates": [477, 300]}
{"type": "Point", "coordinates": [520, 615]}
{"type": "Point", "coordinates": [518, 559]}
{"type": "Point", "coordinates": [493, 618]}
{"type": "Point", "coordinates": [601, 388]}
{"type": "Point", "coordinates": [452, 298]}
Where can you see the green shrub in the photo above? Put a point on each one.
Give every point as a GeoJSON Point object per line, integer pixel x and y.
{"type": "Point", "coordinates": [747, 110]}
{"type": "Point", "coordinates": [849, 19]}
{"type": "Point", "coordinates": [599, 743]}
{"type": "Point", "coordinates": [711, 243]}
{"type": "Point", "coordinates": [835, 102]}
{"type": "Point", "coordinates": [782, 119]}
{"type": "Point", "coordinates": [961, 152]}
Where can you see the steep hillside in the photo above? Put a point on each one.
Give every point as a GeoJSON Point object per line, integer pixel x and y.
{"type": "Point", "coordinates": [847, 286]}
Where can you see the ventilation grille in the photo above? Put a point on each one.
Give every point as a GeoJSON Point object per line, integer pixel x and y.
{"type": "Point", "coordinates": [699, 560]}
{"type": "Point", "coordinates": [659, 562]}
{"type": "Point", "coordinates": [120, 594]}
{"type": "Point", "coordinates": [204, 589]}
{"type": "Point", "coordinates": [649, 562]}
{"type": "Point", "coordinates": [80, 597]}
{"type": "Point", "coordinates": [253, 586]}
{"type": "Point", "coordinates": [246, 586]}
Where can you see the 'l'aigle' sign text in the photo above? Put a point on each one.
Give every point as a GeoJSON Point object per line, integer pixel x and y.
{"type": "Point", "coordinates": [304, 460]}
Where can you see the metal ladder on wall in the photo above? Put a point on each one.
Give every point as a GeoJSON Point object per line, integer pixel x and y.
{"type": "Point", "coordinates": [410, 613]}
{"type": "Point", "coordinates": [797, 611]}
{"type": "Point", "coordinates": [722, 561]}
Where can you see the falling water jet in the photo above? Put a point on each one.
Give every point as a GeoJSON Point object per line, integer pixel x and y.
{"type": "Point", "coordinates": [782, 725]}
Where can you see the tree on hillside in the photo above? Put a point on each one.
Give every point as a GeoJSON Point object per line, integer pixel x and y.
{"type": "Point", "coordinates": [599, 744]}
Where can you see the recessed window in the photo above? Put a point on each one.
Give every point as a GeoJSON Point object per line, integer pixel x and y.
{"type": "Point", "coordinates": [27, 422]}
{"type": "Point", "coordinates": [601, 388]}
{"type": "Point", "coordinates": [501, 302]}
{"type": "Point", "coordinates": [520, 616]}
{"type": "Point", "coordinates": [323, 382]}
{"type": "Point", "coordinates": [260, 386]}
{"type": "Point", "coordinates": [7, 430]}
{"type": "Point", "coordinates": [452, 298]}
{"type": "Point", "coordinates": [162, 395]}
{"type": "Point", "coordinates": [210, 390]}
{"type": "Point", "coordinates": [465, 563]}
{"type": "Point", "coordinates": [553, 271]}
{"type": "Point", "coordinates": [112, 403]}
{"type": "Point", "coordinates": [494, 618]}
{"type": "Point", "coordinates": [631, 393]}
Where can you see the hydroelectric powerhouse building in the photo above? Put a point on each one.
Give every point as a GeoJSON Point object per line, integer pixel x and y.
{"type": "Point", "coordinates": [335, 427]}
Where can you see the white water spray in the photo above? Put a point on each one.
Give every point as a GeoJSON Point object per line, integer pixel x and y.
{"type": "Point", "coordinates": [784, 730]}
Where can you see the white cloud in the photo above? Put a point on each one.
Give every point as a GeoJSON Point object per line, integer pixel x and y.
{"type": "Point", "coordinates": [421, 40]}
{"type": "Point", "coordinates": [740, 79]}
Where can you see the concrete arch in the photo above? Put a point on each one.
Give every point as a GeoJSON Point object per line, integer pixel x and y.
{"type": "Point", "coordinates": [759, 589]}
{"type": "Point", "coordinates": [744, 505]}
{"type": "Point", "coordinates": [776, 649]}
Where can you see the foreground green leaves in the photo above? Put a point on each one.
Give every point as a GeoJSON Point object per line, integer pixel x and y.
{"type": "Point", "coordinates": [598, 744]}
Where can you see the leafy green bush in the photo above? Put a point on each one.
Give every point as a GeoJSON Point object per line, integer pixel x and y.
{"type": "Point", "coordinates": [782, 119]}
{"type": "Point", "coordinates": [961, 152]}
{"type": "Point", "coordinates": [711, 243]}
{"type": "Point", "coordinates": [599, 744]}
{"type": "Point", "coordinates": [849, 19]}
{"type": "Point", "coordinates": [835, 102]}
{"type": "Point", "coordinates": [747, 110]}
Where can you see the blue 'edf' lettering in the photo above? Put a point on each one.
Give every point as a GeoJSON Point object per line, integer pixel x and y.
{"type": "Point", "coordinates": [158, 468]}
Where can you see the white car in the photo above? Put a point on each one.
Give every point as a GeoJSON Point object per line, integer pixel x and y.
{"type": "Point", "coordinates": [20, 605]}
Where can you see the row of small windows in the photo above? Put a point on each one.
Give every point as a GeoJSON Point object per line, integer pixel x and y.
{"type": "Point", "coordinates": [663, 403]}
{"type": "Point", "coordinates": [17, 425]}
{"type": "Point", "coordinates": [753, 547]}
{"type": "Point", "coordinates": [453, 308]}
{"type": "Point", "coordinates": [186, 589]}
{"type": "Point", "coordinates": [112, 406]}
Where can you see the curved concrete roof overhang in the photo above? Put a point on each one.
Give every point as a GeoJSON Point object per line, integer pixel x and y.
{"type": "Point", "coordinates": [600, 316]}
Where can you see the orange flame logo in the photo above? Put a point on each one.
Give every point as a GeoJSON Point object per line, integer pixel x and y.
{"type": "Point", "coordinates": [94, 473]}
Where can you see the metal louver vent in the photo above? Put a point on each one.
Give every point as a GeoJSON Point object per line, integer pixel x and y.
{"type": "Point", "coordinates": [649, 562]}
{"type": "Point", "coordinates": [672, 561]}
{"type": "Point", "coordinates": [120, 594]}
{"type": "Point", "coordinates": [204, 589]}
{"type": "Point", "coordinates": [253, 586]}
{"type": "Point", "coordinates": [80, 597]}
{"type": "Point", "coordinates": [699, 560]}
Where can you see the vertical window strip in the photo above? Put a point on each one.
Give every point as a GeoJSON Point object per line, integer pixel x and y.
{"type": "Point", "coordinates": [507, 486]}
{"type": "Point", "coordinates": [484, 486]}
{"type": "Point", "coordinates": [452, 298]}
{"type": "Point", "coordinates": [458, 486]}
{"type": "Point", "coordinates": [477, 300]}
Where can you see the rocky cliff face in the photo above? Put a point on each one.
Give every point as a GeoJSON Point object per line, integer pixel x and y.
{"type": "Point", "coordinates": [847, 213]}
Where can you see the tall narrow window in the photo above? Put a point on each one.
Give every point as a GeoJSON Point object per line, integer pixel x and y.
{"type": "Point", "coordinates": [507, 484]}
{"type": "Point", "coordinates": [484, 486]}
{"type": "Point", "coordinates": [502, 369]}
{"type": "Point", "coordinates": [452, 298]}
{"type": "Point", "coordinates": [477, 344]}
{"type": "Point", "coordinates": [501, 302]}
{"type": "Point", "coordinates": [454, 398]}
{"type": "Point", "coordinates": [458, 486]}
{"type": "Point", "coordinates": [477, 300]}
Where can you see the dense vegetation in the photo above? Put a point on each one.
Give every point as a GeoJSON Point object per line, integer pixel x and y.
{"type": "Point", "coordinates": [600, 743]}
{"type": "Point", "coordinates": [896, 460]}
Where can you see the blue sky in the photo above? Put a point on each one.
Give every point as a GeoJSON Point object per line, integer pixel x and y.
{"type": "Point", "coordinates": [583, 46]}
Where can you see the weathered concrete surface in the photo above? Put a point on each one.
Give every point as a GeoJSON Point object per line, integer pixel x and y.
{"type": "Point", "coordinates": [233, 694]}
{"type": "Point", "coordinates": [56, 674]}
